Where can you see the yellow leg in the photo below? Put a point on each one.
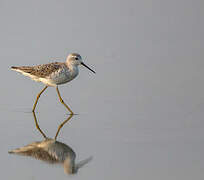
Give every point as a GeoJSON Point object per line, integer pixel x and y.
{"type": "Point", "coordinates": [37, 126]}
{"type": "Point", "coordinates": [38, 96]}
{"type": "Point", "coordinates": [61, 100]}
{"type": "Point", "coordinates": [62, 124]}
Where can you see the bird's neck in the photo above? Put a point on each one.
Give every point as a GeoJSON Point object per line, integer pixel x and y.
{"type": "Point", "coordinates": [72, 66]}
{"type": "Point", "coordinates": [73, 69]}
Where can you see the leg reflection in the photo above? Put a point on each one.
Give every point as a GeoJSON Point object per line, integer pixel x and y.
{"type": "Point", "coordinates": [62, 124]}
{"type": "Point", "coordinates": [52, 151]}
{"type": "Point", "coordinates": [59, 127]}
{"type": "Point", "coordinates": [38, 127]}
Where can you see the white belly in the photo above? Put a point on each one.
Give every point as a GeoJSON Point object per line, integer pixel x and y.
{"type": "Point", "coordinates": [60, 77]}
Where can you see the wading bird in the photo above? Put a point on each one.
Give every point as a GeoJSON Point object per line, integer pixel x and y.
{"type": "Point", "coordinates": [54, 74]}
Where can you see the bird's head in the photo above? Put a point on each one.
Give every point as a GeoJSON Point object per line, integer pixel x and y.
{"type": "Point", "coordinates": [69, 165]}
{"type": "Point", "coordinates": [75, 59]}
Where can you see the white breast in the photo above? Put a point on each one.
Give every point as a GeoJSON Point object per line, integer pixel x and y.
{"type": "Point", "coordinates": [61, 76]}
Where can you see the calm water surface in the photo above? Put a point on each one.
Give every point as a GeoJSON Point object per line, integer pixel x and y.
{"type": "Point", "coordinates": [140, 116]}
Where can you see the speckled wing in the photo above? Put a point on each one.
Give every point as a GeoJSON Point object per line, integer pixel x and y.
{"type": "Point", "coordinates": [33, 150]}
{"type": "Point", "coordinates": [39, 71]}
{"type": "Point", "coordinates": [49, 150]}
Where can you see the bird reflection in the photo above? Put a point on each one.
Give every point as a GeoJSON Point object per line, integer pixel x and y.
{"type": "Point", "coordinates": [52, 151]}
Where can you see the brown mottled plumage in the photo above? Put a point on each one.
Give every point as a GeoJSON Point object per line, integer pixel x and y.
{"type": "Point", "coordinates": [54, 74]}
{"type": "Point", "coordinates": [46, 151]}
{"type": "Point", "coordinates": [36, 153]}
{"type": "Point", "coordinates": [52, 151]}
{"type": "Point", "coordinates": [40, 71]}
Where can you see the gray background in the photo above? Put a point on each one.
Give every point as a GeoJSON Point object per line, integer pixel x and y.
{"type": "Point", "coordinates": [140, 116]}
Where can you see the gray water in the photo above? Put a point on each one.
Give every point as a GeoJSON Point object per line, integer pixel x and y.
{"type": "Point", "coordinates": [140, 116]}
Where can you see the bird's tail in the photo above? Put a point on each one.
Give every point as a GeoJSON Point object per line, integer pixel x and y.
{"type": "Point", "coordinates": [23, 150]}
{"type": "Point", "coordinates": [25, 69]}
{"type": "Point", "coordinates": [14, 67]}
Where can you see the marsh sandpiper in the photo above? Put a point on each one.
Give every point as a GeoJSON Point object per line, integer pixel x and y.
{"type": "Point", "coordinates": [54, 74]}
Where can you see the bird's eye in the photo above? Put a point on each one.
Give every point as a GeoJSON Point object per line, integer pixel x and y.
{"type": "Point", "coordinates": [76, 58]}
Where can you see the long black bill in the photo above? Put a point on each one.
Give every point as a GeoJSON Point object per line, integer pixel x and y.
{"type": "Point", "coordinates": [87, 67]}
